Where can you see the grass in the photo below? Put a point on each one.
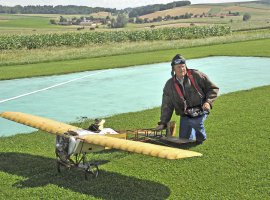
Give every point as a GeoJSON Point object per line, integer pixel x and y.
{"type": "Point", "coordinates": [30, 24]}
{"type": "Point", "coordinates": [235, 162]}
{"type": "Point", "coordinates": [22, 21]}
{"type": "Point", "coordinates": [247, 48]}
{"type": "Point", "coordinates": [24, 56]}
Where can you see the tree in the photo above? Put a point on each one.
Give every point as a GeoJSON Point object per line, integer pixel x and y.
{"type": "Point", "coordinates": [146, 20]}
{"type": "Point", "coordinates": [62, 19]}
{"type": "Point", "coordinates": [246, 17]}
{"type": "Point", "coordinates": [159, 18]}
{"type": "Point", "coordinates": [139, 20]}
{"type": "Point", "coordinates": [120, 22]}
{"type": "Point", "coordinates": [52, 21]}
{"type": "Point", "coordinates": [168, 17]}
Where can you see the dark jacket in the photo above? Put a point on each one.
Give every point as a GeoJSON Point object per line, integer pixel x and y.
{"type": "Point", "coordinates": [171, 100]}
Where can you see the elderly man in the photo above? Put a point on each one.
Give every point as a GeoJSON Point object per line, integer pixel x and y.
{"type": "Point", "coordinates": [191, 94]}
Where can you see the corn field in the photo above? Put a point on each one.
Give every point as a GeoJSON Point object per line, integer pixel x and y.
{"type": "Point", "coordinates": [79, 39]}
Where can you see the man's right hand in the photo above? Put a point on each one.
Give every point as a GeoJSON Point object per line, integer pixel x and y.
{"type": "Point", "coordinates": [160, 127]}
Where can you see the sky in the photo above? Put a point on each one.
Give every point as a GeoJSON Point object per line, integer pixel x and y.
{"type": "Point", "coordinates": [119, 4]}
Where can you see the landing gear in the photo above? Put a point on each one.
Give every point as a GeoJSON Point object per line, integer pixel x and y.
{"type": "Point", "coordinates": [76, 160]}
{"type": "Point", "coordinates": [80, 162]}
{"type": "Point", "coordinates": [91, 170]}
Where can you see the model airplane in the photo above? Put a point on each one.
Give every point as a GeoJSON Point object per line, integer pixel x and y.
{"type": "Point", "coordinates": [72, 140]}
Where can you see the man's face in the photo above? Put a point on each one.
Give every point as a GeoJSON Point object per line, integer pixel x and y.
{"type": "Point", "coordinates": [180, 70]}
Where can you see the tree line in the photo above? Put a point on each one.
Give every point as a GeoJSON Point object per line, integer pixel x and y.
{"type": "Point", "coordinates": [54, 9]}
{"type": "Point", "coordinates": [143, 10]}
{"type": "Point", "coordinates": [71, 9]}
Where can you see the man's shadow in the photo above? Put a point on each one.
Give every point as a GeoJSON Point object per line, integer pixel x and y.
{"type": "Point", "coordinates": [39, 171]}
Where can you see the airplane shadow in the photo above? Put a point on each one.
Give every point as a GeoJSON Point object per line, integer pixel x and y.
{"type": "Point", "coordinates": [40, 171]}
{"type": "Point", "coordinates": [175, 145]}
{"type": "Point", "coordinates": [184, 145]}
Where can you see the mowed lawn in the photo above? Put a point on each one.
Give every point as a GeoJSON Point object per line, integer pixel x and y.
{"type": "Point", "coordinates": [246, 48]}
{"type": "Point", "coordinates": [235, 162]}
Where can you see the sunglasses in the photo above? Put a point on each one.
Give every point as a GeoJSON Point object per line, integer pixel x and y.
{"type": "Point", "coordinates": [179, 61]}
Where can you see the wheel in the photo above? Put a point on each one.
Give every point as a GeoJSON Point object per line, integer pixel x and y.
{"type": "Point", "coordinates": [93, 170]}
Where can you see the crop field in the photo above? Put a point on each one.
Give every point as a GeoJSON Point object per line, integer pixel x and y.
{"type": "Point", "coordinates": [234, 22]}
{"type": "Point", "coordinates": [101, 14]}
{"type": "Point", "coordinates": [79, 39]}
{"type": "Point", "coordinates": [255, 5]}
{"type": "Point", "coordinates": [179, 22]}
{"type": "Point", "coordinates": [242, 9]}
{"type": "Point", "coordinates": [178, 11]}
{"type": "Point", "coordinates": [183, 25]}
{"type": "Point", "coordinates": [214, 9]}
{"type": "Point", "coordinates": [52, 54]}
{"type": "Point", "coordinates": [260, 15]}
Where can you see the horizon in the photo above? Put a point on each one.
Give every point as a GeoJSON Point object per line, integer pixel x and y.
{"type": "Point", "coordinates": [118, 4]}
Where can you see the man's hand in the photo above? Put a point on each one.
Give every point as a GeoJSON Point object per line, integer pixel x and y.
{"type": "Point", "coordinates": [206, 106]}
{"type": "Point", "coordinates": [160, 127]}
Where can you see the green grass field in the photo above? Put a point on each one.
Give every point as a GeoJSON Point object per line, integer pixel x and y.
{"type": "Point", "coordinates": [235, 162]}
{"type": "Point", "coordinates": [30, 24]}
{"type": "Point", "coordinates": [21, 21]}
{"type": "Point", "coordinates": [248, 48]}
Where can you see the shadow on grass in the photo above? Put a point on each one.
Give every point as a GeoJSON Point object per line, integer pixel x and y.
{"type": "Point", "coordinates": [175, 145]}
{"type": "Point", "coordinates": [40, 171]}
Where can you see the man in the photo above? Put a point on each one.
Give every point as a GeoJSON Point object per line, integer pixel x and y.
{"type": "Point", "coordinates": [191, 94]}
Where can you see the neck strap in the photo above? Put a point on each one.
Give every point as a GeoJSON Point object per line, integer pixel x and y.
{"type": "Point", "coordinates": [192, 82]}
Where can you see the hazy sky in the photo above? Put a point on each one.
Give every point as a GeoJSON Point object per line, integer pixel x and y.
{"type": "Point", "coordinates": [119, 4]}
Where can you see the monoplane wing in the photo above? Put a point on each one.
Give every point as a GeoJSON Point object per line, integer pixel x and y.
{"type": "Point", "coordinates": [41, 123]}
{"type": "Point", "coordinates": [140, 147]}
{"type": "Point", "coordinates": [59, 128]}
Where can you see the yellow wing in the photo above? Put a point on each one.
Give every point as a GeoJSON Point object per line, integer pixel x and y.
{"type": "Point", "coordinates": [41, 123]}
{"type": "Point", "coordinates": [139, 147]}
{"type": "Point", "coordinates": [59, 128]}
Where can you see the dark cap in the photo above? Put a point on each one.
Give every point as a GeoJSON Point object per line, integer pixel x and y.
{"type": "Point", "coordinates": [97, 121]}
{"type": "Point", "coordinates": [178, 59]}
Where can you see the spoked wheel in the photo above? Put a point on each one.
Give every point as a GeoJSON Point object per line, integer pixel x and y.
{"type": "Point", "coordinates": [91, 170]}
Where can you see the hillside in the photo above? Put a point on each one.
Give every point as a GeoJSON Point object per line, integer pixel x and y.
{"type": "Point", "coordinates": [229, 14]}
{"type": "Point", "coordinates": [198, 10]}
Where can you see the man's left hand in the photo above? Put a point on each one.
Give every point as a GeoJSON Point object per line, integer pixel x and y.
{"type": "Point", "coordinates": [206, 106]}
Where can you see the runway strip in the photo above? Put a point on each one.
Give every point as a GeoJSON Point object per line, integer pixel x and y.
{"type": "Point", "coordinates": [47, 88]}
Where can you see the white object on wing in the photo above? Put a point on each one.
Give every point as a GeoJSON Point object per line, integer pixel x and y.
{"type": "Point", "coordinates": [104, 131]}
{"type": "Point", "coordinates": [107, 131]}
{"type": "Point", "coordinates": [85, 132]}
